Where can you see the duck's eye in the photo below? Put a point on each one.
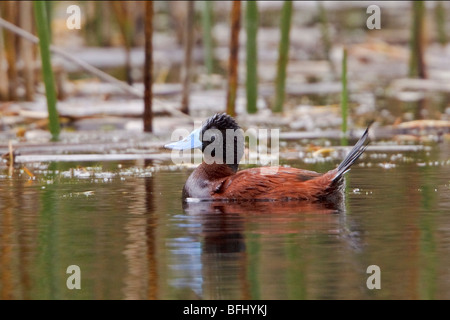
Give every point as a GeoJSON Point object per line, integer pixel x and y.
{"type": "Point", "coordinates": [211, 135]}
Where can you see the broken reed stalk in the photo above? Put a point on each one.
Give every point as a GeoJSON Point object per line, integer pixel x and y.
{"type": "Point", "coordinates": [439, 11]}
{"type": "Point", "coordinates": [207, 37]}
{"type": "Point", "coordinates": [233, 58]}
{"type": "Point", "coordinates": [81, 63]}
{"type": "Point", "coordinates": [252, 55]}
{"type": "Point", "coordinates": [132, 91]}
{"type": "Point", "coordinates": [148, 67]}
{"type": "Point", "coordinates": [417, 68]}
{"type": "Point", "coordinates": [344, 99]}
{"type": "Point", "coordinates": [188, 45]}
{"type": "Point", "coordinates": [283, 56]}
{"type": "Point", "coordinates": [47, 72]}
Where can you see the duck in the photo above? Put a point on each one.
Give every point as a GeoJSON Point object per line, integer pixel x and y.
{"type": "Point", "coordinates": [218, 177]}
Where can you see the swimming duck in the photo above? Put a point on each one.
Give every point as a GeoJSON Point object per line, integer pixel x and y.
{"type": "Point", "coordinates": [218, 178]}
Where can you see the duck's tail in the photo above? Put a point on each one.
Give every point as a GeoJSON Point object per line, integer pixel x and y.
{"type": "Point", "coordinates": [353, 155]}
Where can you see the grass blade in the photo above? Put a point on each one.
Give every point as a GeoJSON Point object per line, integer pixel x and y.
{"type": "Point", "coordinates": [47, 72]}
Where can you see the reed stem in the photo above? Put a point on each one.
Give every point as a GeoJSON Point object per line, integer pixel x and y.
{"type": "Point", "coordinates": [233, 58]}
{"type": "Point", "coordinates": [252, 56]}
{"type": "Point", "coordinates": [207, 37]}
{"type": "Point", "coordinates": [283, 56]}
{"type": "Point", "coordinates": [439, 11]}
{"type": "Point", "coordinates": [11, 52]}
{"type": "Point", "coordinates": [417, 67]}
{"type": "Point", "coordinates": [26, 49]}
{"type": "Point", "coordinates": [188, 45]}
{"type": "Point", "coordinates": [344, 99]}
{"type": "Point", "coordinates": [3, 68]}
{"type": "Point", "coordinates": [325, 35]}
{"type": "Point", "coordinates": [47, 72]}
{"type": "Point", "coordinates": [148, 67]}
{"type": "Point", "coordinates": [120, 9]}
{"type": "Point", "coordinates": [49, 15]}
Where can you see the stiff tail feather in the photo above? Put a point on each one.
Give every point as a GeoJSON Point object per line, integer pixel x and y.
{"type": "Point", "coordinates": [353, 155]}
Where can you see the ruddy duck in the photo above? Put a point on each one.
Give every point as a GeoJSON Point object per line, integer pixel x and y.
{"type": "Point", "coordinates": [218, 178]}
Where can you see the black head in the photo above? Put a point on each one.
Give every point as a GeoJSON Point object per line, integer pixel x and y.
{"type": "Point", "coordinates": [221, 134]}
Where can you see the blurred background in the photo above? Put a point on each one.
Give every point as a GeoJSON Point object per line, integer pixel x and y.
{"type": "Point", "coordinates": [266, 58]}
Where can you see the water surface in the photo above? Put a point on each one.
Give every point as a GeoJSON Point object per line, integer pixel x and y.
{"type": "Point", "coordinates": [125, 226]}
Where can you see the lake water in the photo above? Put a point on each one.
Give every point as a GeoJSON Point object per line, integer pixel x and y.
{"type": "Point", "coordinates": [126, 229]}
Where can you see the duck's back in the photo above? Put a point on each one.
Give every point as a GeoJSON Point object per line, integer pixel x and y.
{"type": "Point", "coordinates": [276, 183]}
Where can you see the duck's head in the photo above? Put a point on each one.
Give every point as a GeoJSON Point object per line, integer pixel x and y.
{"type": "Point", "coordinates": [220, 139]}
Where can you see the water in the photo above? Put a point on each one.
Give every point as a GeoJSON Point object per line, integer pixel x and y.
{"type": "Point", "coordinates": [124, 225]}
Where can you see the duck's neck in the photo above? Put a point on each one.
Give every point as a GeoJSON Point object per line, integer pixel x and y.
{"type": "Point", "coordinates": [215, 171]}
{"type": "Point", "coordinates": [223, 164]}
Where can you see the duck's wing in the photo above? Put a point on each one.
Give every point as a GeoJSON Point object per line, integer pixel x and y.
{"type": "Point", "coordinates": [267, 183]}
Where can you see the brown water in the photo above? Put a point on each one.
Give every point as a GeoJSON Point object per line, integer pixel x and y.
{"type": "Point", "coordinates": [125, 227]}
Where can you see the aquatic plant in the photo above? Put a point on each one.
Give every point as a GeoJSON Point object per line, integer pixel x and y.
{"type": "Point", "coordinates": [207, 37]}
{"type": "Point", "coordinates": [344, 98]}
{"type": "Point", "coordinates": [233, 58]}
{"type": "Point", "coordinates": [188, 43]}
{"type": "Point", "coordinates": [417, 68]}
{"type": "Point", "coordinates": [251, 23]}
{"type": "Point", "coordinates": [124, 21]}
{"type": "Point", "coordinates": [9, 10]}
{"type": "Point", "coordinates": [148, 67]}
{"type": "Point", "coordinates": [47, 72]}
{"type": "Point", "coordinates": [325, 35]}
{"type": "Point", "coordinates": [283, 56]}
{"type": "Point", "coordinates": [439, 12]}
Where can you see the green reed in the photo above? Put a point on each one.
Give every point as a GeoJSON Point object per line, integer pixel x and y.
{"type": "Point", "coordinates": [233, 58]}
{"type": "Point", "coordinates": [283, 56]}
{"type": "Point", "coordinates": [252, 55]}
{"type": "Point", "coordinates": [40, 14]}
{"type": "Point", "coordinates": [325, 35]}
{"type": "Point", "coordinates": [188, 44]}
{"type": "Point", "coordinates": [417, 67]}
{"type": "Point", "coordinates": [207, 37]}
{"type": "Point", "coordinates": [439, 11]}
{"type": "Point", "coordinates": [344, 99]}
{"type": "Point", "coordinates": [10, 10]}
{"type": "Point", "coordinates": [124, 21]}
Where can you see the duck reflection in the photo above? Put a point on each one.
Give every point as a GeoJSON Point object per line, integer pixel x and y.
{"type": "Point", "coordinates": [223, 223]}
{"type": "Point", "coordinates": [226, 253]}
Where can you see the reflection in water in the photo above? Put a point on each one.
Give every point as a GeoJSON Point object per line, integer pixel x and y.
{"type": "Point", "coordinates": [151, 238]}
{"type": "Point", "coordinates": [135, 253]}
{"type": "Point", "coordinates": [140, 251]}
{"type": "Point", "coordinates": [217, 250]}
